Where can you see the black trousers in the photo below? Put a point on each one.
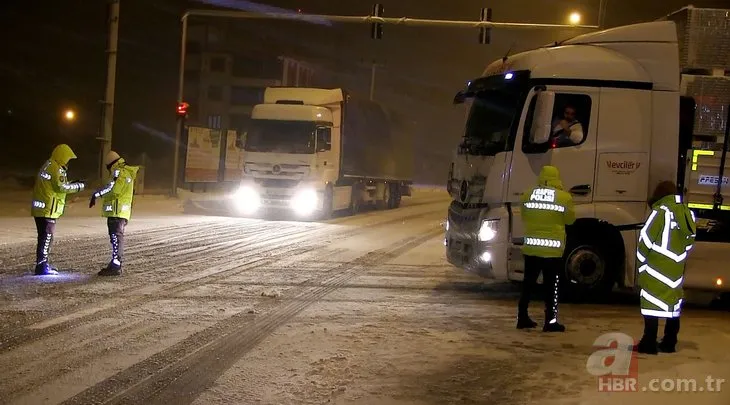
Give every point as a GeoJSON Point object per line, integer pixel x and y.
{"type": "Point", "coordinates": [550, 268]}
{"type": "Point", "coordinates": [45, 227]}
{"type": "Point", "coordinates": [116, 238]}
{"type": "Point", "coordinates": [651, 328]}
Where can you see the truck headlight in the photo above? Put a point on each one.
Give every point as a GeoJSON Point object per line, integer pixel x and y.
{"type": "Point", "coordinates": [305, 202]}
{"type": "Point", "coordinates": [488, 230]}
{"type": "Point", "coordinates": [247, 200]}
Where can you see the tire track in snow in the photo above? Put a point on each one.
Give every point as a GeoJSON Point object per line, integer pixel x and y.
{"type": "Point", "coordinates": [179, 374]}
{"type": "Point", "coordinates": [145, 294]}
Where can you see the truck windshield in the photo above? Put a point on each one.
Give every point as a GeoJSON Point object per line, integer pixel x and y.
{"type": "Point", "coordinates": [489, 126]}
{"type": "Point", "coordinates": [280, 136]}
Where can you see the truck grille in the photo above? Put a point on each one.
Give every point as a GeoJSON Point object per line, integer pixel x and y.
{"type": "Point", "coordinates": [277, 183]}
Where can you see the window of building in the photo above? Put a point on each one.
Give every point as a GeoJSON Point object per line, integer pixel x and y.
{"type": "Point", "coordinates": [571, 117]}
{"type": "Point", "coordinates": [214, 122]}
{"type": "Point", "coordinates": [215, 93]}
{"type": "Point", "coordinates": [244, 95]}
{"type": "Point", "coordinates": [218, 64]}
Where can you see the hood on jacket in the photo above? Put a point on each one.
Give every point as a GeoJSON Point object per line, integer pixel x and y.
{"type": "Point", "coordinates": [62, 154]}
{"type": "Point", "coordinates": [683, 217]}
{"type": "Point", "coordinates": [550, 176]}
{"type": "Point", "coordinates": [121, 164]}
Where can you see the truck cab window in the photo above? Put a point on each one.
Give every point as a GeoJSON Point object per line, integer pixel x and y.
{"type": "Point", "coordinates": [324, 139]}
{"type": "Point", "coordinates": [489, 126]}
{"type": "Point", "coordinates": [571, 117]}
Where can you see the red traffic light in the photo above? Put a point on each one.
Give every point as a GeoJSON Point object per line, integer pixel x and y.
{"type": "Point", "coordinates": [182, 108]}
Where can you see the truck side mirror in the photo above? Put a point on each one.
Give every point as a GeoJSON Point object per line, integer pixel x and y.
{"type": "Point", "coordinates": [542, 119]}
{"type": "Point", "coordinates": [324, 139]}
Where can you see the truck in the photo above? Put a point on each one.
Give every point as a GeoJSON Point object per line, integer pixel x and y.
{"type": "Point", "coordinates": [314, 152]}
{"type": "Point", "coordinates": [621, 91]}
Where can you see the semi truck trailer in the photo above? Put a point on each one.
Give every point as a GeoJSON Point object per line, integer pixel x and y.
{"type": "Point", "coordinates": [619, 94]}
{"type": "Point", "coordinates": [314, 152]}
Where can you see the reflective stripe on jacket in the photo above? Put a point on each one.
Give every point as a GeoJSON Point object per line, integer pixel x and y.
{"type": "Point", "coordinates": [664, 243]}
{"type": "Point", "coordinates": [50, 189]}
{"type": "Point", "coordinates": [118, 194]}
{"type": "Point", "coordinates": [545, 210]}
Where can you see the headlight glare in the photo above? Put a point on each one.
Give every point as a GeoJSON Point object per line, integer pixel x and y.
{"type": "Point", "coordinates": [488, 231]}
{"type": "Point", "coordinates": [305, 202]}
{"type": "Point", "coordinates": [247, 200]}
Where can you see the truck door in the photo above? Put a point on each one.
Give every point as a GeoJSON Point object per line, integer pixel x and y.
{"type": "Point", "coordinates": [572, 149]}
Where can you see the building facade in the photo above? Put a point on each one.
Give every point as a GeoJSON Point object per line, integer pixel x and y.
{"type": "Point", "coordinates": [225, 76]}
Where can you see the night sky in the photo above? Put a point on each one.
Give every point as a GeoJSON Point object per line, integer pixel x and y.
{"type": "Point", "coordinates": [53, 58]}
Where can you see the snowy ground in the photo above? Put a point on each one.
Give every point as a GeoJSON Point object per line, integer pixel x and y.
{"type": "Point", "coordinates": [359, 310]}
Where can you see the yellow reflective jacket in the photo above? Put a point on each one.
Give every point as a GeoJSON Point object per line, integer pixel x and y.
{"type": "Point", "coordinates": [118, 194]}
{"type": "Point", "coordinates": [664, 244]}
{"type": "Point", "coordinates": [545, 210]}
{"type": "Point", "coordinates": [51, 185]}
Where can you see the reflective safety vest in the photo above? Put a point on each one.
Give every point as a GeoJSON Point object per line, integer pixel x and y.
{"type": "Point", "coordinates": [664, 243]}
{"type": "Point", "coordinates": [119, 192]}
{"type": "Point", "coordinates": [50, 189]}
{"type": "Point", "coordinates": [546, 209]}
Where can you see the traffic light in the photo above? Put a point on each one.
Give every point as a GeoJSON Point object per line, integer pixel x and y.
{"type": "Point", "coordinates": [485, 33]}
{"type": "Point", "coordinates": [376, 28]}
{"type": "Point", "coordinates": [182, 109]}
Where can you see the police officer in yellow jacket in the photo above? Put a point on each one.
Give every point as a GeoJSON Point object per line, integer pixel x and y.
{"type": "Point", "coordinates": [546, 209]}
{"type": "Point", "coordinates": [664, 244]}
{"type": "Point", "coordinates": [49, 200]}
{"type": "Point", "coordinates": [116, 206]}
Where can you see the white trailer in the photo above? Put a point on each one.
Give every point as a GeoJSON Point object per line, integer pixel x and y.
{"type": "Point", "coordinates": [316, 151]}
{"type": "Point", "coordinates": [622, 86]}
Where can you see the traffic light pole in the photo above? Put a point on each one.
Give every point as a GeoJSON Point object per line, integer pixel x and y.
{"type": "Point", "coordinates": [317, 18]}
{"type": "Point", "coordinates": [111, 78]}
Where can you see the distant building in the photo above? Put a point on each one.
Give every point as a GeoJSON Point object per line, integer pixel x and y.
{"type": "Point", "coordinates": [225, 76]}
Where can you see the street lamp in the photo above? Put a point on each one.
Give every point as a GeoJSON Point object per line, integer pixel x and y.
{"type": "Point", "coordinates": [69, 115]}
{"type": "Point", "coordinates": [574, 18]}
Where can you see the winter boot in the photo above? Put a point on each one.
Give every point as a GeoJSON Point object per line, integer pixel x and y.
{"type": "Point", "coordinates": [646, 346]}
{"type": "Point", "coordinates": [551, 319]}
{"type": "Point", "coordinates": [112, 269]}
{"type": "Point", "coordinates": [45, 269]}
{"type": "Point", "coordinates": [524, 322]}
{"type": "Point", "coordinates": [553, 327]}
{"type": "Point", "coordinates": [666, 346]}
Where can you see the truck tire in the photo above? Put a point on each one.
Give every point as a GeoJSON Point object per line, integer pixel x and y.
{"type": "Point", "coordinates": [589, 271]}
{"type": "Point", "coordinates": [385, 200]}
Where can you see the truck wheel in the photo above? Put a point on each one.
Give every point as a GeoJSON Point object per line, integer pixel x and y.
{"type": "Point", "coordinates": [385, 202]}
{"type": "Point", "coordinates": [589, 266]}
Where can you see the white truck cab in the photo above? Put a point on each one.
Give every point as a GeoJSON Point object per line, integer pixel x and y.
{"type": "Point", "coordinates": [315, 151]}
{"type": "Point", "coordinates": [604, 108]}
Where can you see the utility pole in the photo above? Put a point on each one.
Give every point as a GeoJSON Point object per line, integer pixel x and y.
{"type": "Point", "coordinates": [373, 67]}
{"type": "Point", "coordinates": [111, 78]}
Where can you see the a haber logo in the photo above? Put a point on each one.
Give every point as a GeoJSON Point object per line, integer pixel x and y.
{"type": "Point", "coordinates": [614, 363]}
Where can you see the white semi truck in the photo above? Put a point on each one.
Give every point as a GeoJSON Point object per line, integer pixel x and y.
{"type": "Point", "coordinates": [314, 152]}
{"type": "Point", "coordinates": [627, 128]}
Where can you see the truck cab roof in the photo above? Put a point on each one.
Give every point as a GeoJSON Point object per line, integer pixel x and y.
{"type": "Point", "coordinates": [646, 53]}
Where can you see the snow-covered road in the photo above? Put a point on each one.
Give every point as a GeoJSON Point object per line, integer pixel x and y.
{"type": "Point", "coordinates": [359, 310]}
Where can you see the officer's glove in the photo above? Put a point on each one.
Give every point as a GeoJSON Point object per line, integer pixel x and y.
{"type": "Point", "coordinates": [92, 201]}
